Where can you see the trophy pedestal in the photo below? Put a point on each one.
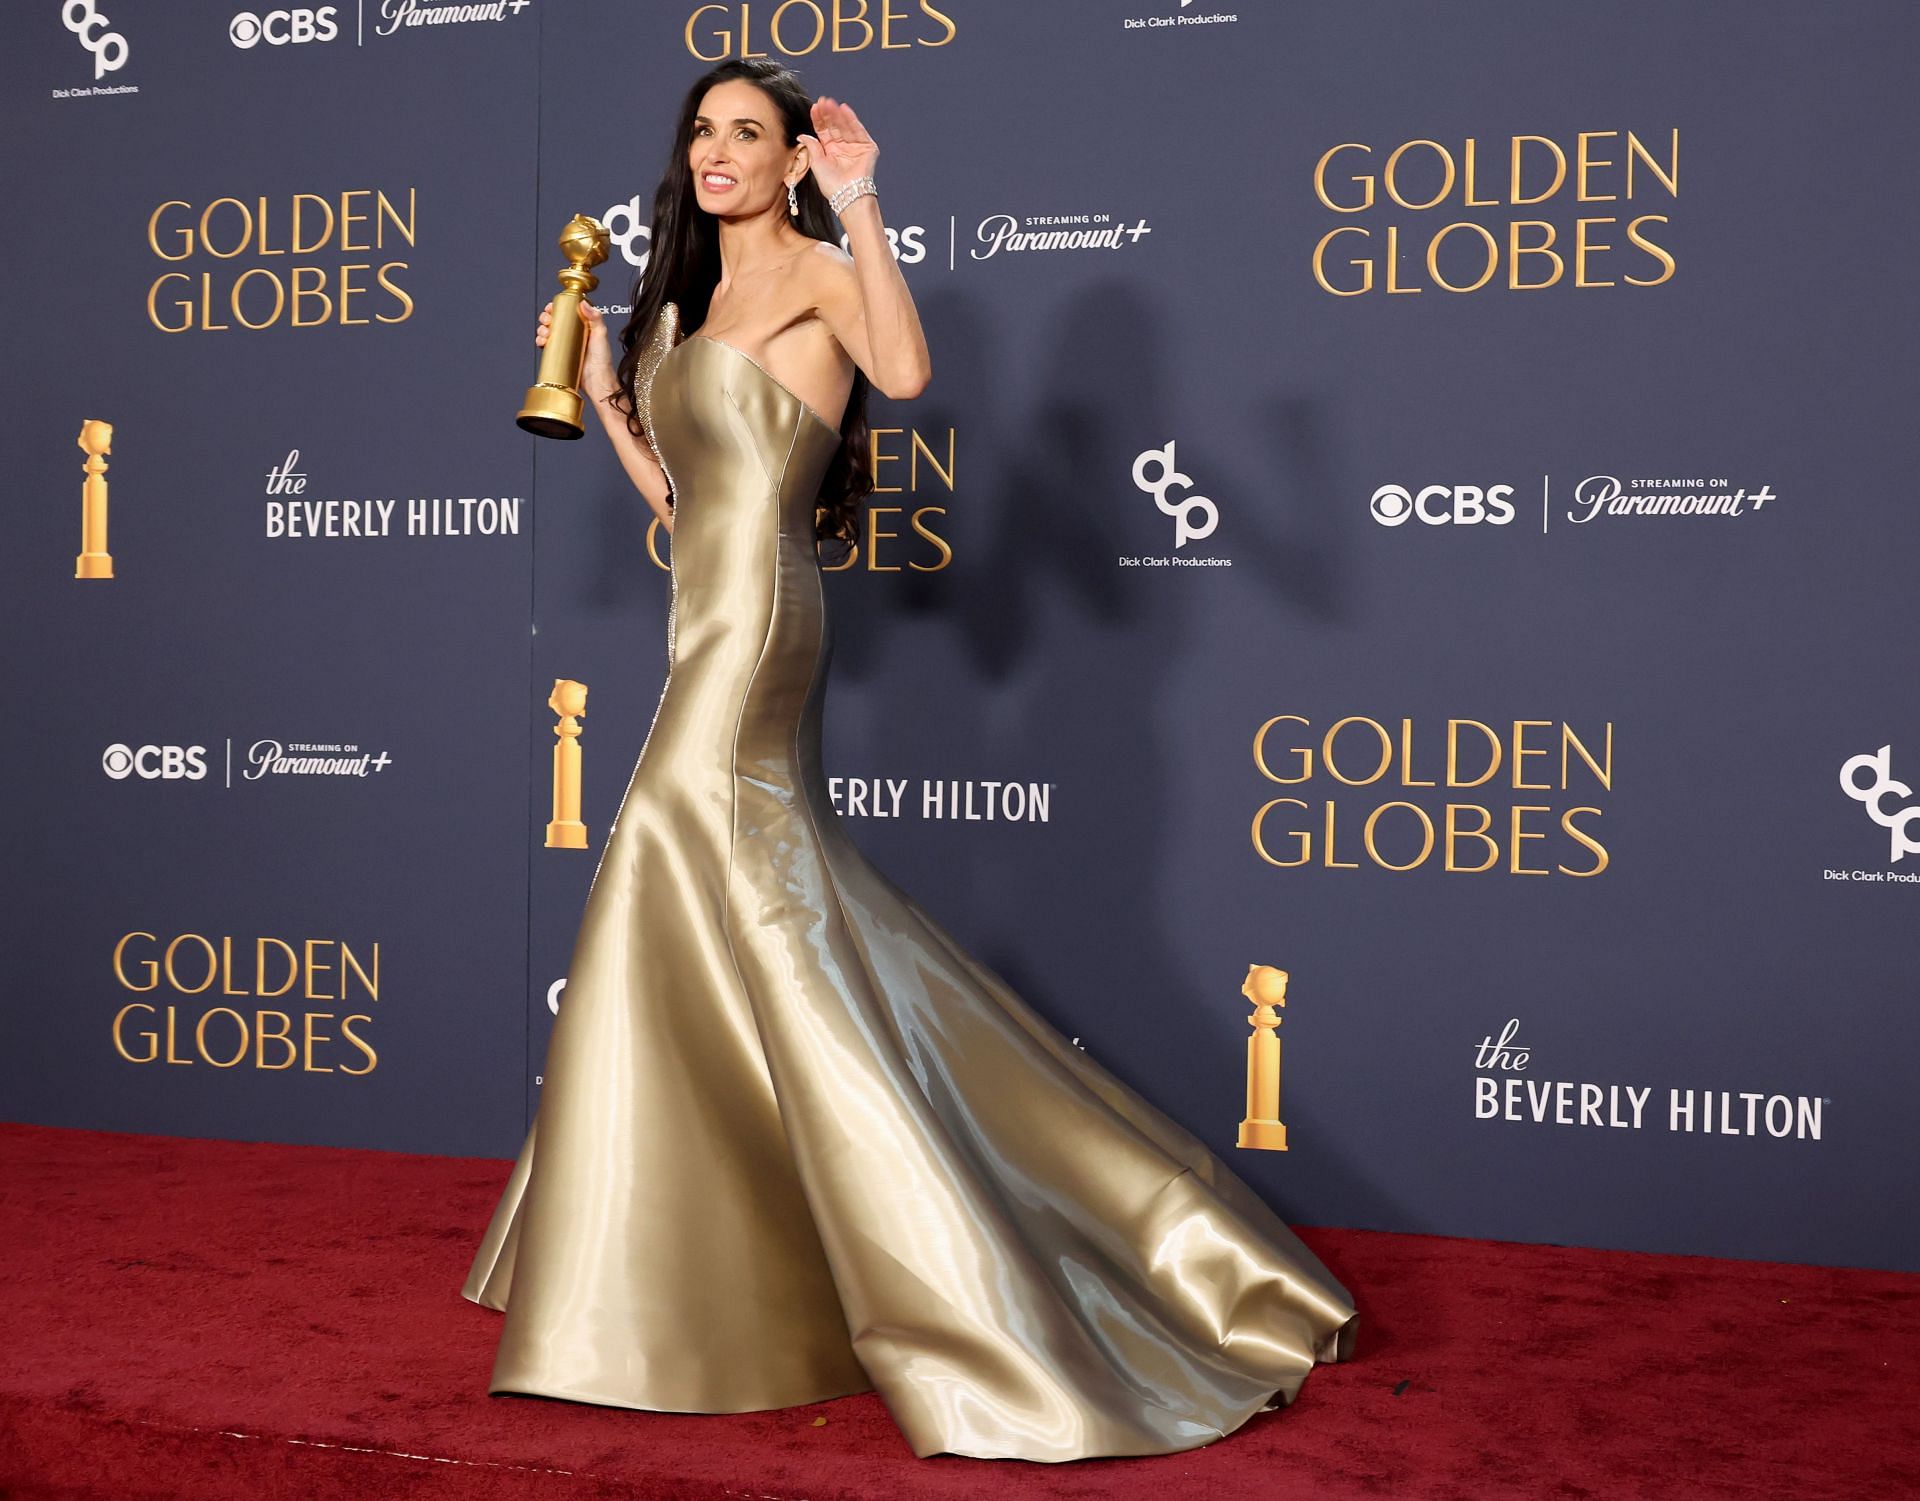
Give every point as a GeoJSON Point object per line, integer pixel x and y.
{"type": "Point", "coordinates": [93, 565]}
{"type": "Point", "coordinates": [552, 412]}
{"type": "Point", "coordinates": [1270, 1135]}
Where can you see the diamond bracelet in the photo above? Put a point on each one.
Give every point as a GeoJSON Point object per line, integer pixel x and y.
{"type": "Point", "coordinates": [858, 188]}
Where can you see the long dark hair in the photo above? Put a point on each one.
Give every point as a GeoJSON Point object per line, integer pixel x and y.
{"type": "Point", "coordinates": [683, 267]}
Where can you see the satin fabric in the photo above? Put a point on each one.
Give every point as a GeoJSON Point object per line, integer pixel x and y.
{"type": "Point", "coordinates": [793, 1141]}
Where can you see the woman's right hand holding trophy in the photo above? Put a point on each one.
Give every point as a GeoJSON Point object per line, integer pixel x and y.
{"type": "Point", "coordinates": [598, 376]}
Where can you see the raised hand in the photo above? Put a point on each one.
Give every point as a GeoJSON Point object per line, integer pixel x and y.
{"type": "Point", "coordinates": [840, 148]}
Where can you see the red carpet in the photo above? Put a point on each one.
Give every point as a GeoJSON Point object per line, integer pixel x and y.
{"type": "Point", "coordinates": [215, 1320]}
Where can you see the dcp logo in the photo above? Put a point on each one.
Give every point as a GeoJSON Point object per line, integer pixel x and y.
{"type": "Point", "coordinates": [1184, 530]}
{"type": "Point", "coordinates": [155, 762]}
{"type": "Point", "coordinates": [278, 28]}
{"type": "Point", "coordinates": [627, 230]}
{"type": "Point", "coordinates": [109, 48]}
{"type": "Point", "coordinates": [1901, 822]}
{"type": "Point", "coordinates": [1443, 505]}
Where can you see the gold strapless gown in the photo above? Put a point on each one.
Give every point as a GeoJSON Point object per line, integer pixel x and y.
{"type": "Point", "coordinates": [793, 1141]}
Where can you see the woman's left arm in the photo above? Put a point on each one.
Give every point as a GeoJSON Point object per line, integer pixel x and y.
{"type": "Point", "coordinates": [870, 312]}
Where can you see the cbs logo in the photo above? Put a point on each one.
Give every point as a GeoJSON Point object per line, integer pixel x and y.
{"type": "Point", "coordinates": [278, 28]}
{"type": "Point", "coordinates": [154, 763]}
{"type": "Point", "coordinates": [1443, 505]}
{"type": "Point", "coordinates": [908, 245]}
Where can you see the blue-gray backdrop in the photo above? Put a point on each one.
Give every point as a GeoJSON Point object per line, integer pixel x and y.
{"type": "Point", "coordinates": [1409, 494]}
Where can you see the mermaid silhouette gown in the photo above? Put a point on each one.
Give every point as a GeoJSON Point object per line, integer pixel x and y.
{"type": "Point", "coordinates": [793, 1141]}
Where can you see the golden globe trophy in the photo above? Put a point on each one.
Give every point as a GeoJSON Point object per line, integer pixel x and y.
{"type": "Point", "coordinates": [94, 562]}
{"type": "Point", "coordinates": [552, 408]}
{"type": "Point", "coordinates": [1266, 987]}
{"type": "Point", "coordinates": [565, 831]}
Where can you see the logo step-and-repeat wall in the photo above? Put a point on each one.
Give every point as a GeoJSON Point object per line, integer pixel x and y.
{"type": "Point", "coordinates": [1409, 499]}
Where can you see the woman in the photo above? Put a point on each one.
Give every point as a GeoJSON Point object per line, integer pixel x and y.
{"type": "Point", "coordinates": [793, 1141]}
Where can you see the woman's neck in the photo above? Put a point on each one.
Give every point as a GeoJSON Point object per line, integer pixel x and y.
{"type": "Point", "coordinates": [748, 246]}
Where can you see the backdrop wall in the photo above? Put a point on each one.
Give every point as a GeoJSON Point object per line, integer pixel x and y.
{"type": "Point", "coordinates": [1408, 497]}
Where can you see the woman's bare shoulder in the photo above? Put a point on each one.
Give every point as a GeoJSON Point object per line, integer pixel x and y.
{"type": "Point", "coordinates": [828, 252]}
{"type": "Point", "coordinates": [827, 270]}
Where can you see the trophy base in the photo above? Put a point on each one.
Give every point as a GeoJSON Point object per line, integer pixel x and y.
{"type": "Point", "coordinates": [566, 834]}
{"type": "Point", "coordinates": [93, 565]}
{"type": "Point", "coordinates": [1270, 1136]}
{"type": "Point", "coordinates": [551, 412]}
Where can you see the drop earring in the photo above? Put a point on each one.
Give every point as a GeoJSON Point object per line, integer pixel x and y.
{"type": "Point", "coordinates": [793, 202]}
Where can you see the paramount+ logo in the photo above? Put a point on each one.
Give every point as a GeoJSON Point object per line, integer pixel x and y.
{"type": "Point", "coordinates": [1443, 505]}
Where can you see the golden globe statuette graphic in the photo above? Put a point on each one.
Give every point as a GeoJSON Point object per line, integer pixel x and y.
{"type": "Point", "coordinates": [1266, 987]}
{"type": "Point", "coordinates": [553, 408]}
{"type": "Point", "coordinates": [565, 831]}
{"type": "Point", "coordinates": [94, 562]}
